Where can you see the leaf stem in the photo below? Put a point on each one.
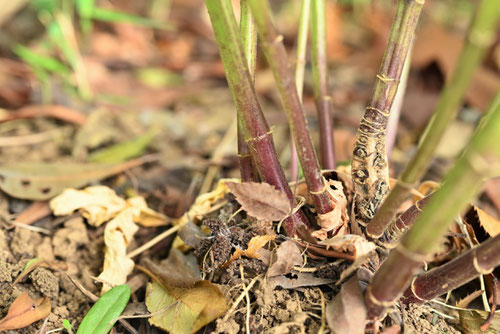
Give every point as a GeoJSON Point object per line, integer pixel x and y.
{"type": "Point", "coordinates": [320, 84]}
{"type": "Point", "coordinates": [370, 171]}
{"type": "Point", "coordinates": [480, 160]}
{"type": "Point", "coordinates": [274, 50]}
{"type": "Point", "coordinates": [257, 133]}
{"type": "Point", "coordinates": [479, 38]}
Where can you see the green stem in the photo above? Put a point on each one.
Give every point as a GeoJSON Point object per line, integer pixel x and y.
{"type": "Point", "coordinates": [274, 50]}
{"type": "Point", "coordinates": [479, 38]}
{"type": "Point", "coordinates": [249, 41]}
{"type": "Point", "coordinates": [370, 172]}
{"type": "Point", "coordinates": [480, 260]}
{"type": "Point", "coordinates": [300, 66]}
{"type": "Point", "coordinates": [320, 83]}
{"type": "Point", "coordinates": [480, 160]}
{"type": "Point", "coordinates": [257, 133]}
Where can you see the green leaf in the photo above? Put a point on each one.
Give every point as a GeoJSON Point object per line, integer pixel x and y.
{"type": "Point", "coordinates": [123, 151]}
{"type": "Point", "coordinates": [187, 310]}
{"type": "Point", "coordinates": [85, 7]}
{"type": "Point", "coordinates": [103, 315]}
{"type": "Point", "coordinates": [109, 15]}
{"type": "Point", "coordinates": [67, 326]}
{"type": "Point", "coordinates": [39, 61]}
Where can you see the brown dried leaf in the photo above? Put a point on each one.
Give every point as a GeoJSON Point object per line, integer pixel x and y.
{"type": "Point", "coordinates": [472, 320]}
{"type": "Point", "coordinates": [288, 255]}
{"type": "Point", "coordinates": [24, 311]}
{"type": "Point", "coordinates": [490, 224]}
{"type": "Point", "coordinates": [261, 200]}
{"type": "Point", "coordinates": [254, 245]}
{"type": "Point", "coordinates": [355, 244]}
{"type": "Point", "coordinates": [337, 219]}
{"type": "Point", "coordinates": [346, 314]}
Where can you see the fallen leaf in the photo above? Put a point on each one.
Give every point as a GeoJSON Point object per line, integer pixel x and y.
{"type": "Point", "coordinates": [355, 244]}
{"type": "Point", "coordinates": [178, 270]}
{"type": "Point", "coordinates": [97, 204]}
{"type": "Point", "coordinates": [147, 217]}
{"type": "Point", "coordinates": [490, 224]}
{"type": "Point", "coordinates": [261, 200]}
{"type": "Point", "coordinates": [346, 314]}
{"type": "Point", "coordinates": [472, 320]}
{"type": "Point", "coordinates": [288, 255]}
{"type": "Point", "coordinates": [117, 236]}
{"type": "Point", "coordinates": [301, 280]}
{"type": "Point", "coordinates": [337, 219]}
{"type": "Point", "coordinates": [185, 310]}
{"type": "Point", "coordinates": [24, 311]}
{"type": "Point", "coordinates": [42, 181]}
{"type": "Point", "coordinates": [254, 245]}
{"type": "Point", "coordinates": [105, 312]}
{"type": "Point", "coordinates": [203, 204]}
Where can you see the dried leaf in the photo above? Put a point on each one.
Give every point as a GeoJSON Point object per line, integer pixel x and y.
{"type": "Point", "coordinates": [254, 245]}
{"type": "Point", "coordinates": [355, 244]}
{"type": "Point", "coordinates": [42, 181]}
{"type": "Point", "coordinates": [472, 320]}
{"type": "Point", "coordinates": [24, 311]}
{"type": "Point", "coordinates": [185, 310]}
{"type": "Point", "coordinates": [178, 270]}
{"type": "Point", "coordinates": [117, 236]}
{"type": "Point", "coordinates": [337, 219]}
{"type": "Point", "coordinates": [288, 255]}
{"type": "Point", "coordinates": [98, 204]}
{"type": "Point", "coordinates": [203, 203]}
{"type": "Point", "coordinates": [346, 314]}
{"type": "Point", "coordinates": [490, 224]}
{"type": "Point", "coordinates": [301, 280]}
{"type": "Point", "coordinates": [261, 200]}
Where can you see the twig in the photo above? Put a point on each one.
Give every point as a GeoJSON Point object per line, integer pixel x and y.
{"type": "Point", "coordinates": [154, 241]}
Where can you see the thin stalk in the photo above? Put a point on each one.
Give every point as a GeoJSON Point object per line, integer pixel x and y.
{"type": "Point", "coordinates": [392, 126]}
{"type": "Point", "coordinates": [249, 40]}
{"type": "Point", "coordinates": [257, 133]}
{"type": "Point", "coordinates": [480, 260]}
{"type": "Point", "coordinates": [300, 66]}
{"type": "Point", "coordinates": [320, 84]}
{"type": "Point", "coordinates": [370, 172]}
{"type": "Point", "coordinates": [274, 50]}
{"type": "Point", "coordinates": [480, 160]}
{"type": "Point", "coordinates": [479, 38]}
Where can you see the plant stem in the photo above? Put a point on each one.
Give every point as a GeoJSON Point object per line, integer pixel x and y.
{"type": "Point", "coordinates": [320, 84]}
{"type": "Point", "coordinates": [477, 261]}
{"type": "Point", "coordinates": [300, 66]}
{"type": "Point", "coordinates": [370, 172]}
{"type": "Point", "coordinates": [276, 55]}
{"type": "Point", "coordinates": [249, 41]}
{"type": "Point", "coordinates": [479, 38]}
{"type": "Point", "coordinates": [480, 160]}
{"type": "Point", "coordinates": [257, 133]}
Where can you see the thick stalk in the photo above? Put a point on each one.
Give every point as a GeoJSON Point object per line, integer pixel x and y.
{"type": "Point", "coordinates": [477, 261]}
{"type": "Point", "coordinates": [274, 50]}
{"type": "Point", "coordinates": [300, 66]}
{"type": "Point", "coordinates": [370, 172]}
{"type": "Point", "coordinates": [479, 38]}
{"type": "Point", "coordinates": [249, 41]}
{"type": "Point", "coordinates": [257, 132]}
{"type": "Point", "coordinates": [320, 84]}
{"type": "Point", "coordinates": [480, 161]}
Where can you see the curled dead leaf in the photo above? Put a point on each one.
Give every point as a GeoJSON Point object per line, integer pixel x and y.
{"type": "Point", "coordinates": [355, 244]}
{"type": "Point", "coordinates": [261, 200]}
{"type": "Point", "coordinates": [24, 311]}
{"type": "Point", "coordinates": [254, 245]}
{"type": "Point", "coordinates": [337, 219]}
{"type": "Point", "coordinates": [288, 255]}
{"type": "Point", "coordinates": [489, 223]}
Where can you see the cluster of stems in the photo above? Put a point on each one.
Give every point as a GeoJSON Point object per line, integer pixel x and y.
{"type": "Point", "coordinates": [479, 38]}
{"type": "Point", "coordinates": [275, 52]}
{"type": "Point", "coordinates": [256, 130]}
{"type": "Point", "coordinates": [370, 172]}
{"type": "Point", "coordinates": [480, 161]}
